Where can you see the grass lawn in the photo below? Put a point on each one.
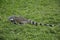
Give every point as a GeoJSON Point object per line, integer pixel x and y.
{"type": "Point", "coordinates": [45, 11]}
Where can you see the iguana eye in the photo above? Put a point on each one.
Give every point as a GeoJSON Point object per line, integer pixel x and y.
{"type": "Point", "coordinates": [12, 20]}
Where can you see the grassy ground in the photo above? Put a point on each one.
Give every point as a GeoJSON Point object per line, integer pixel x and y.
{"type": "Point", "coordinates": [46, 11]}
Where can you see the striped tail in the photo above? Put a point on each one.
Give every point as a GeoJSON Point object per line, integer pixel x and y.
{"type": "Point", "coordinates": [41, 24]}
{"type": "Point", "coordinates": [32, 22]}
{"type": "Point", "coordinates": [51, 25]}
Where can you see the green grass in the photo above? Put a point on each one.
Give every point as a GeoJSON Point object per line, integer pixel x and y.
{"type": "Point", "coordinates": [45, 11]}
